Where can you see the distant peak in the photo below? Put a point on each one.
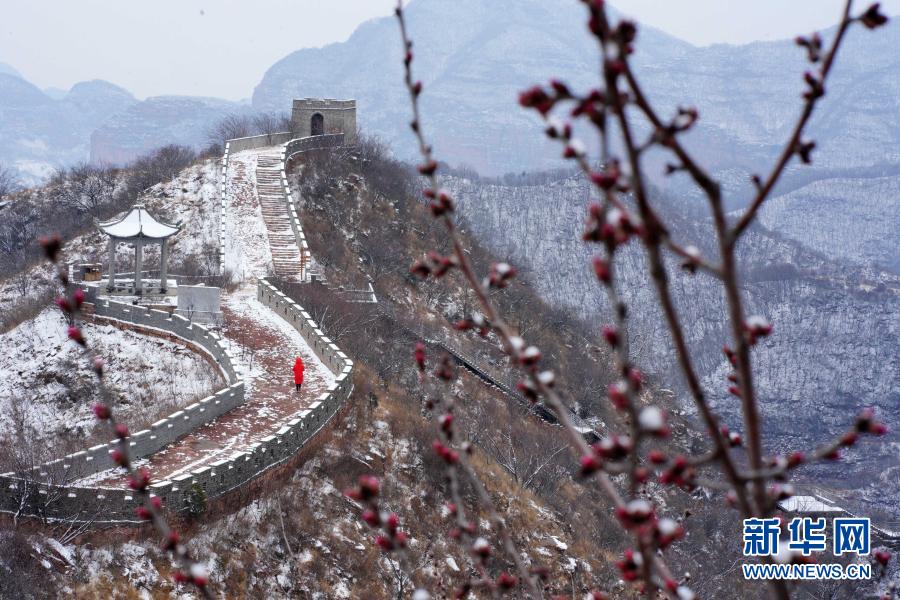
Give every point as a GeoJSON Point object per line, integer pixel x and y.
{"type": "Point", "coordinates": [5, 69]}
{"type": "Point", "coordinates": [95, 87]}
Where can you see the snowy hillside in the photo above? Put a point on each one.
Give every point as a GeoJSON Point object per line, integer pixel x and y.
{"type": "Point", "coordinates": [831, 321]}
{"type": "Point", "coordinates": [854, 220]}
{"type": "Point", "coordinates": [43, 373]}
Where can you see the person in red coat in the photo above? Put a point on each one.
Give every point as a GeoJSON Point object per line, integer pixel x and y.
{"type": "Point", "coordinates": [298, 372]}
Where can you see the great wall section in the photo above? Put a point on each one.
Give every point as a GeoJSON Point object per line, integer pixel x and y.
{"type": "Point", "coordinates": [235, 435]}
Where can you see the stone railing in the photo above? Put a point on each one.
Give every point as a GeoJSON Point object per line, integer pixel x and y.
{"type": "Point", "coordinates": [290, 149]}
{"type": "Point", "coordinates": [222, 208]}
{"type": "Point", "coordinates": [51, 480]}
{"type": "Point", "coordinates": [259, 141]}
{"type": "Point", "coordinates": [48, 493]}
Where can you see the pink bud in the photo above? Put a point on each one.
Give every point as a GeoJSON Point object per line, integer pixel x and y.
{"type": "Point", "coordinates": [589, 464]}
{"type": "Point", "coordinates": [393, 521]}
{"type": "Point", "coordinates": [601, 269]}
{"type": "Point", "coordinates": [75, 335]}
{"type": "Point", "coordinates": [63, 304]}
{"type": "Point", "coordinates": [506, 581]}
{"type": "Point", "coordinates": [617, 395]}
{"type": "Point", "coordinates": [420, 355]}
{"type": "Point", "coordinates": [611, 335]}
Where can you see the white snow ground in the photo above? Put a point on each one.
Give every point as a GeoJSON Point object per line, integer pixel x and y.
{"type": "Point", "coordinates": [47, 387]}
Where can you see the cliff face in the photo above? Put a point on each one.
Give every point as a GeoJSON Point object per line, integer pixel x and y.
{"type": "Point", "coordinates": [837, 321]}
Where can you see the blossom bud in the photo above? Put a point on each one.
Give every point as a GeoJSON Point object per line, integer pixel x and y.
{"type": "Point", "coordinates": [52, 245]}
{"type": "Point", "coordinates": [873, 17]}
{"type": "Point", "coordinates": [384, 542]}
{"type": "Point", "coordinates": [419, 355]}
{"type": "Point", "coordinates": [617, 394]}
{"type": "Point", "coordinates": [656, 457]}
{"type": "Point", "coordinates": [369, 486]}
{"type": "Point", "coordinates": [420, 269]}
{"type": "Point", "coordinates": [500, 275]}
{"type": "Point", "coordinates": [446, 422]}
{"type": "Point", "coordinates": [652, 420]}
{"type": "Point", "coordinates": [171, 540]}
{"type": "Point", "coordinates": [589, 464]}
{"type": "Point", "coordinates": [393, 522]}
{"type": "Point", "coordinates": [601, 269]}
{"type": "Point", "coordinates": [506, 581]}
{"type": "Point", "coordinates": [481, 547]}
{"type": "Point", "coordinates": [529, 355]}
{"type": "Point", "coordinates": [611, 335]}
{"type": "Point", "coordinates": [428, 168]}
{"type": "Point", "coordinates": [118, 457]}
{"type": "Point", "coordinates": [370, 517]}
{"type": "Point", "coordinates": [139, 480]}
{"type": "Point", "coordinates": [76, 336]}
{"type": "Point", "coordinates": [63, 303]}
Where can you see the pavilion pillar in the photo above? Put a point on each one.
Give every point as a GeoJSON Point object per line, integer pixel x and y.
{"type": "Point", "coordinates": [138, 259]}
{"type": "Point", "coordinates": [112, 265]}
{"type": "Point", "coordinates": [163, 264]}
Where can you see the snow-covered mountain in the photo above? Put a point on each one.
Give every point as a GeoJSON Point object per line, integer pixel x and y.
{"type": "Point", "coordinates": [854, 219]}
{"type": "Point", "coordinates": [94, 120]}
{"type": "Point", "coordinates": [38, 132]}
{"type": "Point", "coordinates": [474, 56]}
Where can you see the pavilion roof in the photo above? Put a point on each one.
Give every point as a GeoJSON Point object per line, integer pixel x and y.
{"type": "Point", "coordinates": [137, 223]}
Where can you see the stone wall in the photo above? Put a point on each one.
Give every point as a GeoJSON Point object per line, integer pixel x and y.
{"type": "Point", "coordinates": [43, 495]}
{"type": "Point", "coordinates": [222, 208]}
{"type": "Point", "coordinates": [259, 141]}
{"type": "Point", "coordinates": [292, 148]}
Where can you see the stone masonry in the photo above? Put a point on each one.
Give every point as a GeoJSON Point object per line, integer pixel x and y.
{"type": "Point", "coordinates": [332, 116]}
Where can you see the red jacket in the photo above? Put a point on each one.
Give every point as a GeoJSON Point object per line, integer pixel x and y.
{"type": "Point", "coordinates": [298, 371]}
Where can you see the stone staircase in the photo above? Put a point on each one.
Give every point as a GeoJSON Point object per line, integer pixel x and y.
{"type": "Point", "coordinates": [282, 244]}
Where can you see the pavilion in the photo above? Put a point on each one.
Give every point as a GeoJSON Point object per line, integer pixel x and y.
{"type": "Point", "coordinates": [138, 227]}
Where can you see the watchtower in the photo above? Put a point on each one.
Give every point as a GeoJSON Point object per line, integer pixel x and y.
{"type": "Point", "coordinates": [319, 116]}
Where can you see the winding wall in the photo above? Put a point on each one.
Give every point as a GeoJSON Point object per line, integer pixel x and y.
{"type": "Point", "coordinates": [46, 495]}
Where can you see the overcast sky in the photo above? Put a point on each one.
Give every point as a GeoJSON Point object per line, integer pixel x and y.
{"type": "Point", "coordinates": [199, 47]}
